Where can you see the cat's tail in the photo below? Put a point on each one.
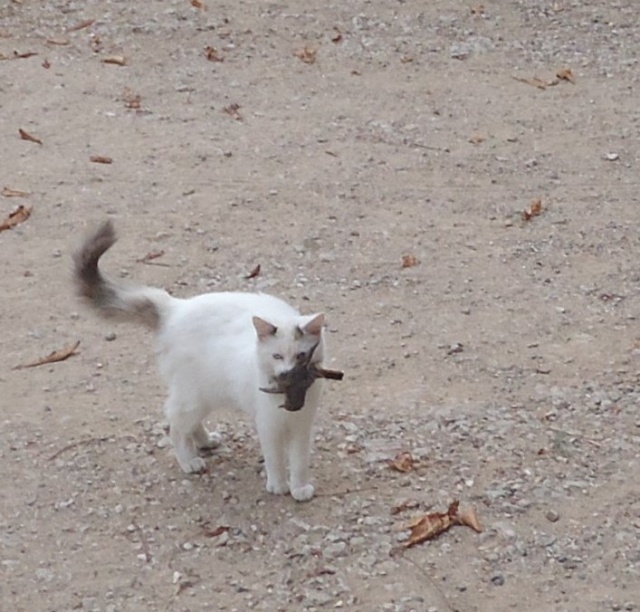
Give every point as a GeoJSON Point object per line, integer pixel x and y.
{"type": "Point", "coordinates": [112, 299]}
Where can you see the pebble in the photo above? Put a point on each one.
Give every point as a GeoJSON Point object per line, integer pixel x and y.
{"type": "Point", "coordinates": [497, 579]}
{"type": "Point", "coordinates": [552, 516]}
{"type": "Point", "coordinates": [110, 337]}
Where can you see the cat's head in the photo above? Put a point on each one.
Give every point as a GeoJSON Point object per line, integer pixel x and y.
{"type": "Point", "coordinates": [282, 346]}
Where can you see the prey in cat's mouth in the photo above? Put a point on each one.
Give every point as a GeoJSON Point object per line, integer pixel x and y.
{"type": "Point", "coordinates": [295, 382]}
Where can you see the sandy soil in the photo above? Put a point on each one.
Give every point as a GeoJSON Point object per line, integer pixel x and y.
{"type": "Point", "coordinates": [329, 141]}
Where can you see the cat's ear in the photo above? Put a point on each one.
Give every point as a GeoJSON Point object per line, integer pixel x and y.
{"type": "Point", "coordinates": [313, 325]}
{"type": "Point", "coordinates": [264, 328]}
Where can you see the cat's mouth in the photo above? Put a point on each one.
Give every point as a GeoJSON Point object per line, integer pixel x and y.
{"type": "Point", "coordinates": [295, 383]}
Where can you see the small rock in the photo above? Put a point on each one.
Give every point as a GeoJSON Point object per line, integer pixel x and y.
{"type": "Point", "coordinates": [335, 549]}
{"type": "Point", "coordinates": [110, 337]}
{"type": "Point", "coordinates": [552, 516]}
{"type": "Point", "coordinates": [497, 579]}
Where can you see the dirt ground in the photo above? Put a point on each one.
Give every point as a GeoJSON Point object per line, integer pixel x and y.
{"type": "Point", "coordinates": [324, 141]}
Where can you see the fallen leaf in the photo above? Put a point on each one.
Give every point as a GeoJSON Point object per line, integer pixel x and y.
{"type": "Point", "coordinates": [433, 524]}
{"type": "Point", "coordinates": [566, 75]}
{"type": "Point", "coordinates": [476, 139]}
{"type": "Point", "coordinates": [406, 59]}
{"type": "Point", "coordinates": [253, 272]}
{"type": "Point", "coordinates": [151, 256]}
{"type": "Point", "coordinates": [199, 5]}
{"type": "Point", "coordinates": [409, 261]}
{"type": "Point", "coordinates": [18, 55]}
{"type": "Point", "coordinates": [53, 357]}
{"type": "Point", "coordinates": [131, 100]}
{"type": "Point", "coordinates": [478, 9]}
{"type": "Point", "coordinates": [337, 36]}
{"type": "Point", "coordinates": [402, 462]}
{"type": "Point", "coordinates": [117, 60]}
{"type": "Point", "coordinates": [30, 137]}
{"type": "Point", "coordinates": [19, 215]}
{"type": "Point", "coordinates": [46, 64]}
{"type": "Point", "coordinates": [469, 518]}
{"type": "Point", "coordinates": [211, 53]}
{"type": "Point", "coordinates": [307, 55]}
{"type": "Point", "coordinates": [233, 110]}
{"type": "Point", "coordinates": [61, 42]}
{"type": "Point", "coordinates": [96, 43]}
{"type": "Point", "coordinates": [407, 504]}
{"type": "Point", "coordinates": [101, 159]}
{"type": "Point", "coordinates": [534, 210]}
{"type": "Point", "coordinates": [7, 192]}
{"type": "Point", "coordinates": [213, 533]}
{"type": "Point", "coordinates": [82, 25]}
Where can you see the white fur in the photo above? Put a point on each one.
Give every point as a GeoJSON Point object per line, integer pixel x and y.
{"type": "Point", "coordinates": [212, 356]}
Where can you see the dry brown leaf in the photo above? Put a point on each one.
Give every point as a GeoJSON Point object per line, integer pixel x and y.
{"type": "Point", "coordinates": [60, 42]}
{"type": "Point", "coordinates": [215, 532]}
{"type": "Point", "coordinates": [96, 43]}
{"type": "Point", "coordinates": [53, 357]}
{"type": "Point", "coordinates": [101, 159]}
{"type": "Point", "coordinates": [469, 518]}
{"type": "Point", "coordinates": [478, 9]}
{"type": "Point", "coordinates": [409, 261]}
{"type": "Point", "coordinates": [19, 215]}
{"type": "Point", "coordinates": [199, 5]}
{"type": "Point", "coordinates": [407, 504]}
{"type": "Point", "coordinates": [233, 110]}
{"type": "Point", "coordinates": [476, 139]}
{"type": "Point", "coordinates": [337, 36]}
{"type": "Point", "coordinates": [253, 272]}
{"type": "Point", "coordinates": [46, 64]}
{"type": "Point", "coordinates": [211, 53]}
{"type": "Point", "coordinates": [7, 192]}
{"type": "Point", "coordinates": [25, 55]}
{"type": "Point", "coordinates": [117, 60]}
{"type": "Point", "coordinates": [151, 256]}
{"type": "Point", "coordinates": [534, 210]}
{"type": "Point", "coordinates": [82, 25]}
{"type": "Point", "coordinates": [131, 100]}
{"type": "Point", "coordinates": [566, 75]}
{"type": "Point", "coordinates": [307, 55]}
{"type": "Point", "coordinates": [431, 525]}
{"type": "Point", "coordinates": [402, 462]}
{"type": "Point", "coordinates": [30, 137]}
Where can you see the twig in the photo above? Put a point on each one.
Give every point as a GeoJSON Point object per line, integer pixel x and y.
{"type": "Point", "coordinates": [347, 492]}
{"type": "Point", "coordinates": [433, 583]}
{"type": "Point", "coordinates": [77, 443]}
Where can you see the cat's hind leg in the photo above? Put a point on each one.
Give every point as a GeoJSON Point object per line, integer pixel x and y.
{"type": "Point", "coordinates": [206, 440]}
{"type": "Point", "coordinates": [185, 423]}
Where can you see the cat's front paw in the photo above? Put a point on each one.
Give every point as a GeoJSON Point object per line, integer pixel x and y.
{"type": "Point", "coordinates": [304, 493]}
{"type": "Point", "coordinates": [194, 466]}
{"type": "Point", "coordinates": [277, 488]}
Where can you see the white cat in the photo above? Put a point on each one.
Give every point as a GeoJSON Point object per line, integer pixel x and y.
{"type": "Point", "coordinates": [216, 350]}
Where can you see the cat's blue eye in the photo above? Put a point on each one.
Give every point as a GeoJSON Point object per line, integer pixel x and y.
{"type": "Point", "coordinates": [277, 356]}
